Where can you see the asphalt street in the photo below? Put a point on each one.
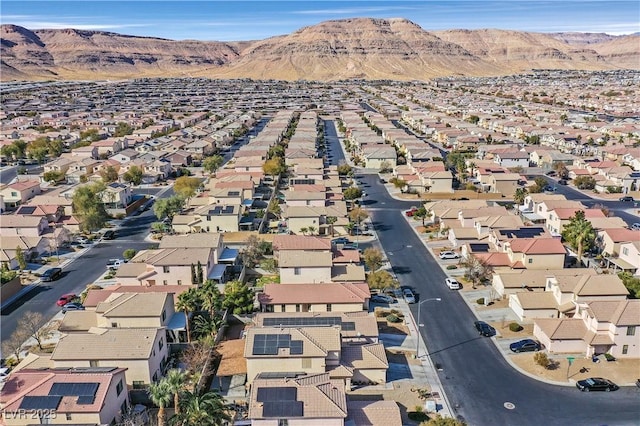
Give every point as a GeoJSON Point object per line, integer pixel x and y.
{"type": "Point", "coordinates": [482, 387]}
{"type": "Point", "coordinates": [83, 270]}
{"type": "Point", "coordinates": [9, 173]}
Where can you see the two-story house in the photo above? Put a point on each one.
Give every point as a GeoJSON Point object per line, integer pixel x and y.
{"type": "Point", "coordinates": [18, 193]}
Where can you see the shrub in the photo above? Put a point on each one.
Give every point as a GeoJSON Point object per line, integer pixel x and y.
{"type": "Point", "coordinates": [393, 318]}
{"type": "Point", "coordinates": [609, 357]}
{"type": "Point", "coordinates": [541, 359]}
{"type": "Point", "coordinates": [380, 313]}
{"type": "Point", "coordinates": [514, 326]}
{"type": "Point", "coordinates": [397, 313]}
{"type": "Point", "coordinates": [480, 301]}
{"type": "Point", "coordinates": [452, 267]}
{"type": "Point", "coordinates": [418, 415]}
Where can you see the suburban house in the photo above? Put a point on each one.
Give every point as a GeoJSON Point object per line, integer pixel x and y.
{"type": "Point", "coordinates": [609, 241]}
{"type": "Point", "coordinates": [301, 399]}
{"type": "Point", "coordinates": [598, 327]}
{"type": "Point", "coordinates": [511, 281]}
{"type": "Point", "coordinates": [27, 226]}
{"type": "Point", "coordinates": [80, 395]}
{"type": "Point", "coordinates": [19, 192]}
{"type": "Point", "coordinates": [167, 266]}
{"type": "Point", "coordinates": [142, 351]}
{"type": "Point", "coordinates": [319, 297]}
{"type": "Point", "coordinates": [379, 155]}
{"type": "Point", "coordinates": [30, 246]}
{"type": "Point", "coordinates": [209, 218]}
{"type": "Point", "coordinates": [116, 196]}
{"type": "Point", "coordinates": [302, 266]}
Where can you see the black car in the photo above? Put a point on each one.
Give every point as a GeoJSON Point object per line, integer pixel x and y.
{"type": "Point", "coordinates": [340, 240]}
{"type": "Point", "coordinates": [626, 198]}
{"type": "Point", "coordinates": [51, 274]}
{"type": "Point", "coordinates": [109, 235]}
{"type": "Point", "coordinates": [596, 384]}
{"type": "Point", "coordinates": [484, 329]}
{"type": "Point", "coordinates": [563, 182]}
{"type": "Point", "coordinates": [526, 345]}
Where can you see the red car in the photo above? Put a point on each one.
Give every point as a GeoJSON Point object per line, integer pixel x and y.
{"type": "Point", "coordinates": [66, 298]}
{"type": "Point", "coordinates": [411, 211]}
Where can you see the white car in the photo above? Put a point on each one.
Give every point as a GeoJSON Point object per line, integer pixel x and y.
{"type": "Point", "coordinates": [635, 226]}
{"type": "Point", "coordinates": [452, 283]}
{"type": "Point", "coordinates": [115, 263]}
{"type": "Point", "coordinates": [408, 296]}
{"type": "Point", "coordinates": [449, 255]}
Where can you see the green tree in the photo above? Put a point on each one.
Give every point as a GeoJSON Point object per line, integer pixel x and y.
{"type": "Point", "coordinates": [584, 182]}
{"type": "Point", "coordinates": [168, 207]}
{"type": "Point", "coordinates": [579, 233]}
{"type": "Point", "coordinates": [519, 196]}
{"type": "Point", "coordinates": [312, 230]}
{"type": "Point", "coordinates": [87, 204]}
{"type": "Point", "coordinates": [358, 214]}
{"type": "Point", "coordinates": [352, 193]}
{"type": "Point", "coordinates": [188, 303]}
{"type": "Point", "coordinates": [398, 183]}
{"type": "Point", "coordinates": [133, 175]}
{"type": "Point", "coordinates": [561, 170]}
{"type": "Point", "coordinates": [238, 298]}
{"type": "Point", "coordinates": [176, 381]}
{"type": "Point", "coordinates": [186, 186]}
{"type": "Point", "coordinates": [372, 258]}
{"type": "Point", "coordinates": [53, 176]}
{"type": "Point", "coordinates": [331, 220]}
{"type": "Point", "coordinates": [206, 409]}
{"type": "Point", "coordinates": [212, 164]}
{"type": "Point", "coordinates": [129, 254]}
{"type": "Point", "coordinates": [422, 213]}
{"type": "Point", "coordinates": [123, 129]}
{"type": "Point", "coordinates": [539, 184]}
{"type": "Point", "coordinates": [274, 208]}
{"type": "Point", "coordinates": [438, 420]}
{"type": "Point", "coordinates": [211, 297]}
{"type": "Point", "coordinates": [38, 154]}
{"type": "Point", "coordinates": [22, 261]}
{"type": "Point", "coordinates": [631, 283]}
{"type": "Point", "coordinates": [90, 135]}
{"type": "Point", "coordinates": [380, 280]}
{"type": "Point", "coordinates": [477, 270]}
{"type": "Point", "coordinates": [109, 174]}
{"type": "Point", "coordinates": [199, 278]}
{"type": "Point", "coordinates": [344, 169]}
{"type": "Point", "coordinates": [160, 394]}
{"type": "Point", "coordinates": [252, 251]}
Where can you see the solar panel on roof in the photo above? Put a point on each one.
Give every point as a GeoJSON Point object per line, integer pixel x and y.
{"type": "Point", "coordinates": [282, 409]}
{"type": "Point", "coordinates": [86, 399]}
{"type": "Point", "coordinates": [285, 393]}
{"type": "Point", "coordinates": [479, 248]}
{"type": "Point", "coordinates": [47, 402]}
{"type": "Point", "coordinates": [74, 389]}
{"type": "Point", "coordinates": [296, 347]}
{"type": "Point", "coordinates": [26, 210]}
{"type": "Point", "coordinates": [270, 344]}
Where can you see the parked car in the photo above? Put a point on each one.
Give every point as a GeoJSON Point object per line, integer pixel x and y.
{"type": "Point", "coordinates": [349, 247]}
{"type": "Point", "coordinates": [4, 374]}
{"type": "Point", "coordinates": [449, 255]}
{"type": "Point", "coordinates": [83, 240]}
{"type": "Point", "coordinates": [411, 211]}
{"type": "Point", "coordinates": [596, 384]}
{"type": "Point", "coordinates": [382, 298]}
{"type": "Point", "coordinates": [109, 235]}
{"type": "Point", "coordinates": [408, 296]}
{"type": "Point", "coordinates": [66, 298]}
{"type": "Point", "coordinates": [51, 274]}
{"type": "Point", "coordinates": [526, 345]}
{"type": "Point", "coordinates": [115, 263]}
{"type": "Point", "coordinates": [636, 226]}
{"type": "Point", "coordinates": [563, 182]}
{"type": "Point", "coordinates": [484, 329]}
{"type": "Point", "coordinates": [452, 283]}
{"type": "Point", "coordinates": [626, 198]}
{"type": "Point", "coordinates": [73, 306]}
{"type": "Point", "coordinates": [340, 240]}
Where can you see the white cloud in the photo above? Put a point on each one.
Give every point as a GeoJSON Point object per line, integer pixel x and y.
{"type": "Point", "coordinates": [350, 11]}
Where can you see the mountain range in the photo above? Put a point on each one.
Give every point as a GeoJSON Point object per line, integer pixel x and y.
{"type": "Point", "coordinates": [366, 48]}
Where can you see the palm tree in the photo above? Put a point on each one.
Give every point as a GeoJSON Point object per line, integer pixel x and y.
{"type": "Point", "coordinates": [160, 395]}
{"type": "Point", "coordinates": [304, 230]}
{"type": "Point", "coordinates": [176, 380]}
{"type": "Point", "coordinates": [206, 325]}
{"type": "Point", "coordinates": [311, 230]}
{"type": "Point", "coordinates": [330, 221]}
{"type": "Point", "coordinates": [188, 303]}
{"type": "Point", "coordinates": [211, 297]}
{"type": "Point", "coordinates": [519, 195]}
{"type": "Point", "coordinates": [206, 409]}
{"type": "Point", "coordinates": [579, 233]}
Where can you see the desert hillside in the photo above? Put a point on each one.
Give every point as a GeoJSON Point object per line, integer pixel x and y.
{"type": "Point", "coordinates": [366, 48]}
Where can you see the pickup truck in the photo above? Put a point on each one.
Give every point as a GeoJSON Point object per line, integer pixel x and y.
{"type": "Point", "coordinates": [114, 263]}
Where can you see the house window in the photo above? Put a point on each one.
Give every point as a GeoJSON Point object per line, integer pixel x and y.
{"type": "Point", "coordinates": [625, 251]}
{"type": "Point", "coordinates": [14, 194]}
{"type": "Point", "coordinates": [165, 282]}
{"type": "Point", "coordinates": [297, 307]}
{"type": "Point", "coordinates": [283, 308]}
{"type": "Point", "coordinates": [119, 387]}
{"type": "Point", "coordinates": [123, 407]}
{"type": "Point", "coordinates": [93, 363]}
{"type": "Point", "coordinates": [179, 282]}
{"type": "Point", "coordinates": [530, 260]}
{"type": "Point", "coordinates": [328, 307]}
{"type": "Point", "coordinates": [138, 384]}
{"type": "Point", "coordinates": [155, 377]}
{"type": "Point", "coordinates": [68, 416]}
{"type": "Point", "coordinates": [160, 343]}
{"type": "Point", "coordinates": [164, 315]}
{"type": "Point", "coordinates": [306, 362]}
{"type": "Point", "coordinates": [114, 324]}
{"type": "Point", "coordinates": [297, 271]}
{"type": "Point", "coordinates": [283, 422]}
{"type": "Point", "coordinates": [165, 269]}
{"type": "Point", "coordinates": [625, 349]}
{"type": "Point", "coordinates": [631, 330]}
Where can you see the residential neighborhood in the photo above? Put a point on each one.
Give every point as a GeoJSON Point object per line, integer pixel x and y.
{"type": "Point", "coordinates": [284, 251]}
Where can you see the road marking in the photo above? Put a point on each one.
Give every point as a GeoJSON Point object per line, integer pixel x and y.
{"type": "Point", "coordinates": [509, 405]}
{"type": "Point", "coordinates": [409, 246]}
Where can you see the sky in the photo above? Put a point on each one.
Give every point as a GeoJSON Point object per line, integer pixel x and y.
{"type": "Point", "coordinates": [235, 20]}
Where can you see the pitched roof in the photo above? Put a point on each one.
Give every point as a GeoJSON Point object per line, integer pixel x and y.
{"type": "Point", "coordinates": [619, 235]}
{"type": "Point", "coordinates": [536, 300]}
{"type": "Point", "coordinates": [300, 242]}
{"type": "Point", "coordinates": [537, 246]}
{"type": "Point", "coordinates": [133, 305]}
{"type": "Point", "coordinates": [107, 344]}
{"type": "Point", "coordinates": [337, 293]}
{"type": "Point", "coordinates": [372, 413]}
{"type": "Point", "coordinates": [196, 240]}
{"type": "Point", "coordinates": [562, 329]}
{"type": "Point", "coordinates": [362, 357]}
{"type": "Point", "coordinates": [305, 258]}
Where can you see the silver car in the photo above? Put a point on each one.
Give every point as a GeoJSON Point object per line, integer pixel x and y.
{"type": "Point", "coordinates": [408, 296]}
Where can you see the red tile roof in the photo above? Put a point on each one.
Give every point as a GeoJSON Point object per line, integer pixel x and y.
{"type": "Point", "coordinates": [300, 242]}
{"type": "Point", "coordinates": [619, 235]}
{"type": "Point", "coordinates": [537, 246]}
{"type": "Point", "coordinates": [567, 213]}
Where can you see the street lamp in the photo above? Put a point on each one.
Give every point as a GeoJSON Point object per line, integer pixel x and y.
{"type": "Point", "coordinates": [437, 299]}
